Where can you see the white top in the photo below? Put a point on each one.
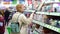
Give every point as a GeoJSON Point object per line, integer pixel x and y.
{"type": "Point", "coordinates": [22, 19]}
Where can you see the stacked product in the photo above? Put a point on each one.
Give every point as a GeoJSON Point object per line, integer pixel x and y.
{"type": "Point", "coordinates": [51, 8]}
{"type": "Point", "coordinates": [51, 21]}
{"type": "Point", "coordinates": [38, 29]}
{"type": "Point", "coordinates": [38, 17]}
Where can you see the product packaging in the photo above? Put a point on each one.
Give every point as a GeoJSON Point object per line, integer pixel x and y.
{"type": "Point", "coordinates": [38, 31]}
{"type": "Point", "coordinates": [58, 9]}
{"type": "Point", "coordinates": [58, 24]}
{"type": "Point", "coordinates": [35, 17]}
{"type": "Point", "coordinates": [39, 17]}
{"type": "Point", "coordinates": [45, 19]}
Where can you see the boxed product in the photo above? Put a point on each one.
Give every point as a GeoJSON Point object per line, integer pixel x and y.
{"type": "Point", "coordinates": [56, 7]}
{"type": "Point", "coordinates": [58, 24]}
{"type": "Point", "coordinates": [45, 19]}
{"type": "Point", "coordinates": [35, 17]}
{"type": "Point", "coordinates": [53, 22]}
{"type": "Point", "coordinates": [49, 8]}
{"type": "Point", "coordinates": [38, 31]}
{"type": "Point", "coordinates": [39, 17]}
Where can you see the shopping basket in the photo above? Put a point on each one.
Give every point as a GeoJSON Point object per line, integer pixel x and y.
{"type": "Point", "coordinates": [9, 30]}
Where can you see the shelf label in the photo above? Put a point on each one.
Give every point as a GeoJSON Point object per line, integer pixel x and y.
{"type": "Point", "coordinates": [57, 14]}
{"type": "Point", "coordinates": [0, 1]}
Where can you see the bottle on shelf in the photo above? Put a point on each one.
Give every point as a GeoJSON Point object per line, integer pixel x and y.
{"type": "Point", "coordinates": [35, 17]}
{"type": "Point", "coordinates": [55, 10]}
{"type": "Point", "coordinates": [58, 24]}
{"type": "Point", "coordinates": [45, 19]}
{"type": "Point", "coordinates": [53, 22]}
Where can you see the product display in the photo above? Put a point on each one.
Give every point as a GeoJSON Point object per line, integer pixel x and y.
{"type": "Point", "coordinates": [46, 18]}
{"type": "Point", "coordinates": [50, 17]}
{"type": "Point", "coordinates": [36, 29]}
{"type": "Point", "coordinates": [37, 17]}
{"type": "Point", "coordinates": [34, 17]}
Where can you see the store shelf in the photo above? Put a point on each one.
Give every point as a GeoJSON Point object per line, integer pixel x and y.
{"type": "Point", "coordinates": [47, 26]}
{"type": "Point", "coordinates": [29, 10]}
{"type": "Point", "coordinates": [45, 13]}
{"type": "Point", "coordinates": [49, 13]}
{"type": "Point", "coordinates": [51, 2]}
{"type": "Point", "coordinates": [55, 14]}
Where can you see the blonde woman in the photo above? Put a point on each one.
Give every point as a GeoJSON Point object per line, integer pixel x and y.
{"type": "Point", "coordinates": [22, 19]}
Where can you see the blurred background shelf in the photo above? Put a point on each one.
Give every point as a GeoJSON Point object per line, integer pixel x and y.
{"type": "Point", "coordinates": [45, 13]}
{"type": "Point", "coordinates": [47, 26]}
{"type": "Point", "coordinates": [49, 13]}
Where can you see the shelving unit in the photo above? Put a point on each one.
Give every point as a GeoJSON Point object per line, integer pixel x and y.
{"type": "Point", "coordinates": [55, 14]}
{"type": "Point", "coordinates": [52, 2]}
{"type": "Point", "coordinates": [47, 13]}
{"type": "Point", "coordinates": [47, 26]}
{"type": "Point", "coordinates": [29, 10]}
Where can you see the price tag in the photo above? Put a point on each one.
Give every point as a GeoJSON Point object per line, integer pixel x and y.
{"type": "Point", "coordinates": [55, 29]}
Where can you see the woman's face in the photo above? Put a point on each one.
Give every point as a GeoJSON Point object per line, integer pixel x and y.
{"type": "Point", "coordinates": [23, 7]}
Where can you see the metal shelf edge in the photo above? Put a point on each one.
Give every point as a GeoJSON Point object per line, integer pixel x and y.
{"type": "Point", "coordinates": [47, 26]}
